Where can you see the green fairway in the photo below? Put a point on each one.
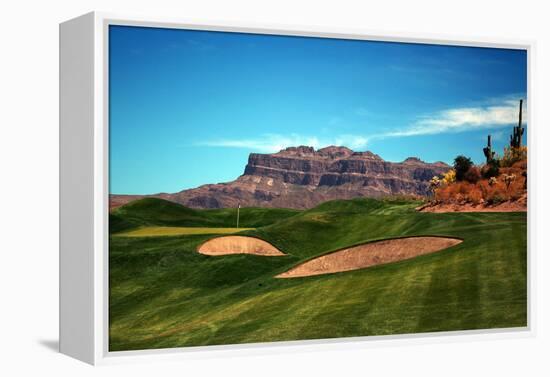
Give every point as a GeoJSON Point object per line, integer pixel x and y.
{"type": "Point", "coordinates": [151, 231]}
{"type": "Point", "coordinates": [165, 294]}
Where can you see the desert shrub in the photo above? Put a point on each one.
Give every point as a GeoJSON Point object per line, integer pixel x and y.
{"type": "Point", "coordinates": [464, 188]}
{"type": "Point", "coordinates": [475, 195]}
{"type": "Point", "coordinates": [522, 165]}
{"type": "Point", "coordinates": [513, 155]}
{"type": "Point", "coordinates": [516, 189]}
{"type": "Point", "coordinates": [454, 193]}
{"type": "Point", "coordinates": [492, 191]}
{"type": "Point", "coordinates": [461, 165]}
{"type": "Point", "coordinates": [508, 179]}
{"type": "Point", "coordinates": [445, 194]}
{"type": "Point", "coordinates": [491, 169]}
{"type": "Point", "coordinates": [449, 177]}
{"type": "Point", "coordinates": [510, 171]}
{"type": "Point", "coordinates": [468, 192]}
{"type": "Point", "coordinates": [497, 193]}
{"type": "Point", "coordinates": [483, 187]}
{"type": "Point", "coordinates": [496, 199]}
{"type": "Point", "coordinates": [441, 194]}
{"type": "Point", "coordinates": [473, 175]}
{"type": "Point", "coordinates": [435, 183]}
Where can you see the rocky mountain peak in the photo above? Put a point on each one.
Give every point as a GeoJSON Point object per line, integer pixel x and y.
{"type": "Point", "coordinates": [413, 160]}
{"type": "Point", "coordinates": [335, 152]}
{"type": "Point", "coordinates": [300, 151]}
{"type": "Point", "coordinates": [302, 177]}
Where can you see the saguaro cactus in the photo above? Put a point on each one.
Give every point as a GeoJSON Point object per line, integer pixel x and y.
{"type": "Point", "coordinates": [488, 150]}
{"type": "Point", "coordinates": [515, 138]}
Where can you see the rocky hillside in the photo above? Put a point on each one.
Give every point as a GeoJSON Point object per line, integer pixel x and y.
{"type": "Point", "coordinates": [302, 177]}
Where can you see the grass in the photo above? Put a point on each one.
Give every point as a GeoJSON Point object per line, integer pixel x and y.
{"type": "Point", "coordinates": [165, 294]}
{"type": "Point", "coordinates": [152, 231]}
{"type": "Point", "coordinates": [158, 212]}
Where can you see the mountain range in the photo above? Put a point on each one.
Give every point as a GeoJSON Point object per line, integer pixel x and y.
{"type": "Point", "coordinates": [302, 177]}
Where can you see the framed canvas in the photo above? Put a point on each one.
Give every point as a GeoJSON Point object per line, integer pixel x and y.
{"type": "Point", "coordinates": [243, 188]}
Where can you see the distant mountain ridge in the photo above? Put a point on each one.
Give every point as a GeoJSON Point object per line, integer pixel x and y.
{"type": "Point", "coordinates": [302, 177]}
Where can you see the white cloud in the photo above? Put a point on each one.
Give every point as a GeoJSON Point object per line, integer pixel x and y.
{"type": "Point", "coordinates": [270, 143]}
{"type": "Point", "coordinates": [495, 114]}
{"type": "Point", "coordinates": [463, 119]}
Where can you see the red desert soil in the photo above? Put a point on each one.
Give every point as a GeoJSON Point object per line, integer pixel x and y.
{"type": "Point", "coordinates": [508, 206]}
{"type": "Point", "coordinates": [370, 254]}
{"type": "Point", "coordinates": [238, 245]}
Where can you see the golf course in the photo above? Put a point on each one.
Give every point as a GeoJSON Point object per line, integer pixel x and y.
{"type": "Point", "coordinates": [172, 286]}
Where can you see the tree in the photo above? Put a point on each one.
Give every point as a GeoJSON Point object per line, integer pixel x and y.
{"type": "Point", "coordinates": [491, 169]}
{"type": "Point", "coordinates": [473, 175]}
{"type": "Point", "coordinates": [461, 166]}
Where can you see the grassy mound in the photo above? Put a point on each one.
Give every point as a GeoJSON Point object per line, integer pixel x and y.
{"type": "Point", "coordinates": [151, 212]}
{"type": "Point", "coordinates": [249, 217]}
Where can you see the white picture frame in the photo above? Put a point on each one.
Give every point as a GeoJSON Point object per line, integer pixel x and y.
{"type": "Point", "coordinates": [84, 193]}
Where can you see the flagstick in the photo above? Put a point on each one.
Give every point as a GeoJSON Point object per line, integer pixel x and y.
{"type": "Point", "coordinates": [238, 210]}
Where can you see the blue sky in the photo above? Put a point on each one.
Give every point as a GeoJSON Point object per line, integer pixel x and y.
{"type": "Point", "coordinates": [187, 107]}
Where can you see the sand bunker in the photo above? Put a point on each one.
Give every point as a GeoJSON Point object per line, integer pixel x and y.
{"type": "Point", "coordinates": [370, 254]}
{"type": "Point", "coordinates": [238, 245]}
